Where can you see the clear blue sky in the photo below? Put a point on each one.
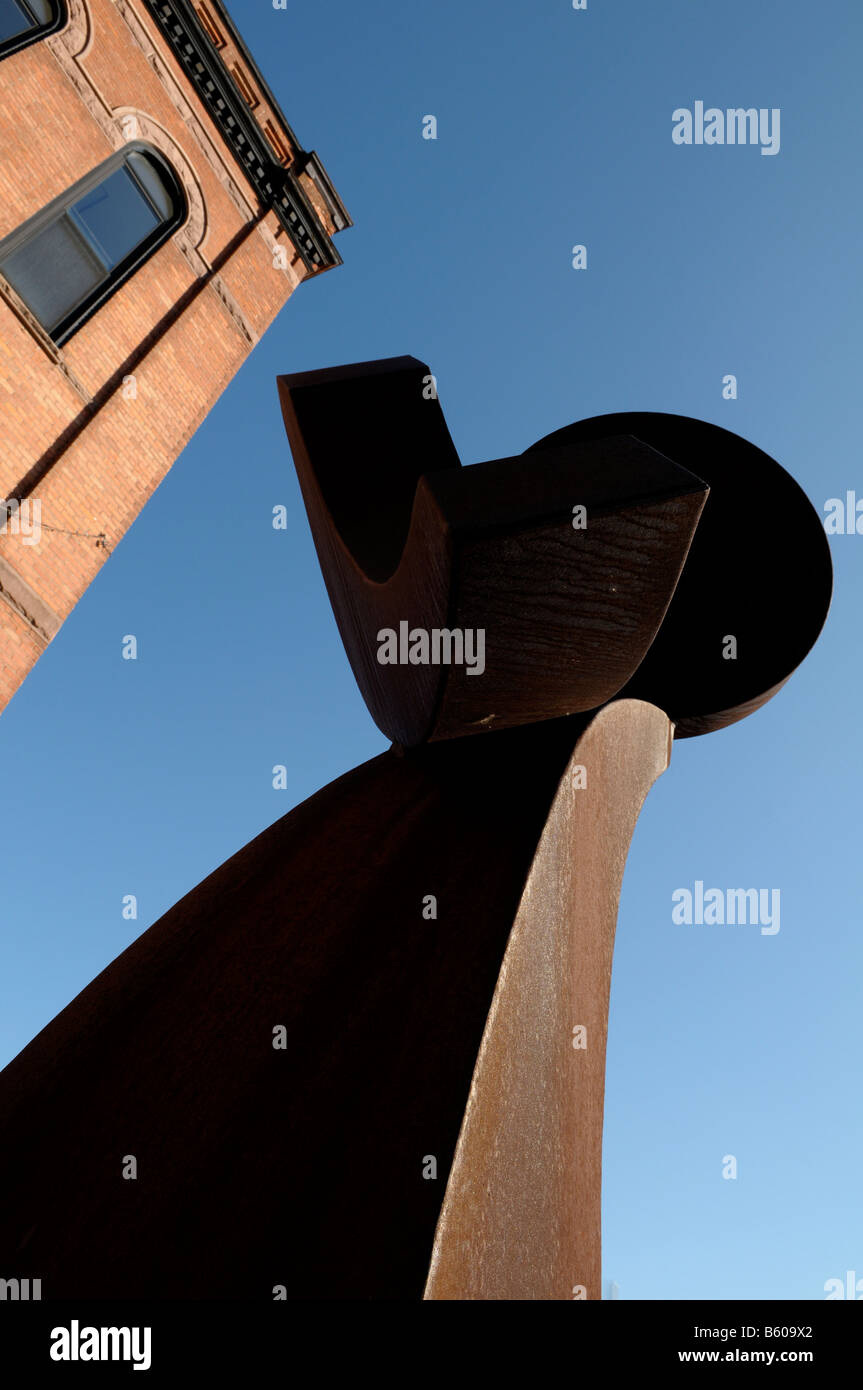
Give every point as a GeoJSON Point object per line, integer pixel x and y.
{"type": "Point", "coordinates": [554, 128]}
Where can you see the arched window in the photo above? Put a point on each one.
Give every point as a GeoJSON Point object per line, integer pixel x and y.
{"type": "Point", "coordinates": [68, 259]}
{"type": "Point", "coordinates": [25, 21]}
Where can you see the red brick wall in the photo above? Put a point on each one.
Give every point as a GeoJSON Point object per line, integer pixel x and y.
{"type": "Point", "coordinates": [61, 116]}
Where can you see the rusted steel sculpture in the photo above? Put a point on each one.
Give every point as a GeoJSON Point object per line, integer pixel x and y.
{"type": "Point", "coordinates": [365, 1058]}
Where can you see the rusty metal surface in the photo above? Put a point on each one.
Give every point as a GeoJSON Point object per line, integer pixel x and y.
{"type": "Point", "coordinates": [693, 536]}
{"type": "Point", "coordinates": [758, 569]}
{"type": "Point", "coordinates": [302, 1166]}
{"type": "Point", "coordinates": [405, 535]}
{"type": "Point", "coordinates": [521, 1215]}
{"type": "Point", "coordinates": [407, 1037]}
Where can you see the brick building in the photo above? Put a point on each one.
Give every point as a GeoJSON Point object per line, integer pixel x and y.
{"type": "Point", "coordinates": [156, 213]}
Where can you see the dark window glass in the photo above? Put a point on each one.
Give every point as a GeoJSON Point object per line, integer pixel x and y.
{"type": "Point", "coordinates": [115, 217]}
{"type": "Point", "coordinates": [22, 21]}
{"type": "Point", "coordinates": [13, 20]}
{"type": "Point", "coordinates": [54, 272]}
{"type": "Point", "coordinates": [69, 258]}
{"type": "Point", "coordinates": [152, 181]}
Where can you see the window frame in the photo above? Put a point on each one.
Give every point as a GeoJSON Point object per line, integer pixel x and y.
{"type": "Point", "coordinates": [125, 268]}
{"type": "Point", "coordinates": [37, 31]}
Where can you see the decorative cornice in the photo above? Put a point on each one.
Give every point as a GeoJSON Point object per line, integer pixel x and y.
{"type": "Point", "coordinates": [310, 165]}
{"type": "Point", "coordinates": [216, 158]}
{"type": "Point", "coordinates": [277, 188]}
